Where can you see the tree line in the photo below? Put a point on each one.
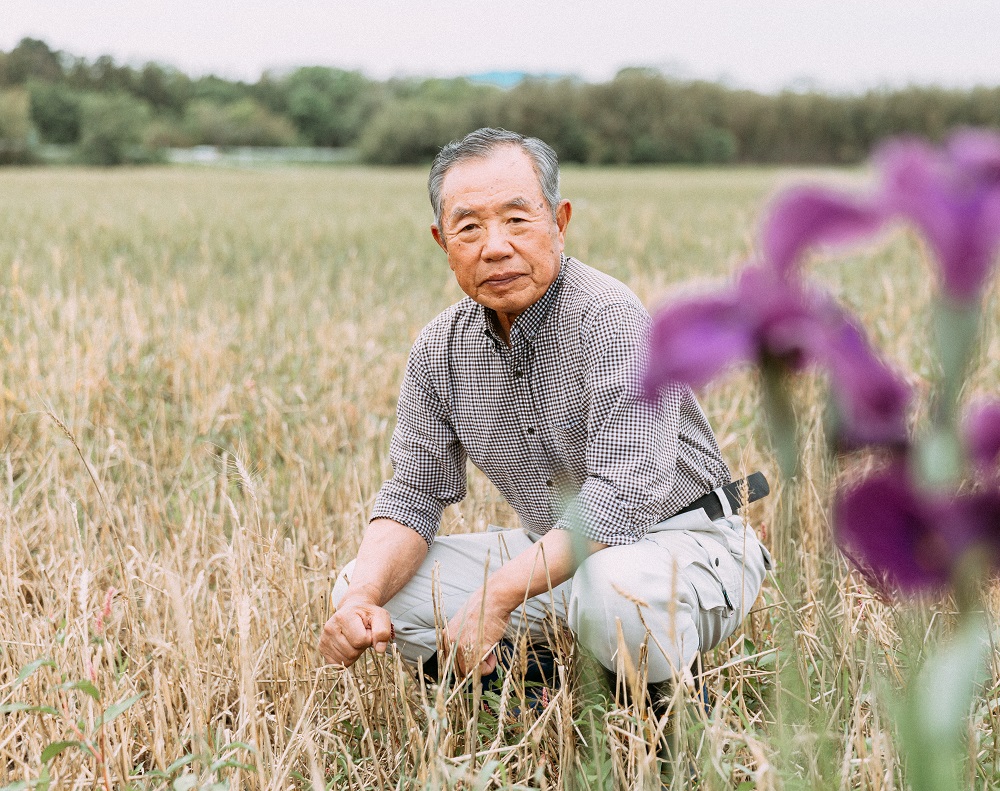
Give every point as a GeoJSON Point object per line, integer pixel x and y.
{"type": "Point", "coordinates": [112, 113]}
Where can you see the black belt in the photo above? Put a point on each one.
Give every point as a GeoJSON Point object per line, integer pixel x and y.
{"type": "Point", "coordinates": [756, 486]}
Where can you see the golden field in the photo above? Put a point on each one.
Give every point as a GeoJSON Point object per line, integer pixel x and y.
{"type": "Point", "coordinates": [198, 374]}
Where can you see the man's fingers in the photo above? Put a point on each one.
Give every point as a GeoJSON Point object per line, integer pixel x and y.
{"type": "Point", "coordinates": [489, 664]}
{"type": "Point", "coordinates": [357, 631]}
{"type": "Point", "coordinates": [334, 647]}
{"type": "Point", "coordinates": [380, 626]}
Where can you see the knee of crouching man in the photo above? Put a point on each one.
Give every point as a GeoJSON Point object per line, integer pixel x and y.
{"type": "Point", "coordinates": [341, 584]}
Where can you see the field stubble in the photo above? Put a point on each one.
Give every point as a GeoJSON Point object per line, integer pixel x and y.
{"type": "Point", "coordinates": [199, 373]}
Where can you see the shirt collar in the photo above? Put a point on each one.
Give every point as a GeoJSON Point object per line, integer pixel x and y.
{"type": "Point", "coordinates": [527, 324]}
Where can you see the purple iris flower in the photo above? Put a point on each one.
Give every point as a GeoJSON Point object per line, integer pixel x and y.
{"type": "Point", "coordinates": [764, 315]}
{"type": "Point", "coordinates": [913, 539]}
{"type": "Point", "coordinates": [807, 216]}
{"type": "Point", "coordinates": [953, 196]}
{"type": "Point", "coordinates": [897, 534]}
{"type": "Point", "coordinates": [870, 399]}
{"type": "Point", "coordinates": [977, 517]}
{"type": "Point", "coordinates": [982, 434]}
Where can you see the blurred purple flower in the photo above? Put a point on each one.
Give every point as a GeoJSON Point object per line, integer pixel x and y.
{"type": "Point", "coordinates": [953, 196]}
{"type": "Point", "coordinates": [913, 539]}
{"type": "Point", "coordinates": [762, 316]}
{"type": "Point", "coordinates": [870, 399]}
{"type": "Point", "coordinates": [896, 533]}
{"type": "Point", "coordinates": [806, 216]}
{"type": "Point", "coordinates": [765, 318]}
{"type": "Point", "coordinates": [977, 518]}
{"type": "Point", "coordinates": [977, 152]}
{"type": "Point", "coordinates": [982, 434]}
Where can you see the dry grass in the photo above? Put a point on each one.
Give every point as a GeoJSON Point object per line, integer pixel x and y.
{"type": "Point", "coordinates": [199, 372]}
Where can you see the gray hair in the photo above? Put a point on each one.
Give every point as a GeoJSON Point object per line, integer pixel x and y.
{"type": "Point", "coordinates": [484, 142]}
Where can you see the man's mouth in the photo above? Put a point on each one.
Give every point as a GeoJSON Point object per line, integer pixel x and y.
{"type": "Point", "coordinates": [503, 279]}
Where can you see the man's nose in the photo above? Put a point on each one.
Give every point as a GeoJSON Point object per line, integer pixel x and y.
{"type": "Point", "coordinates": [496, 244]}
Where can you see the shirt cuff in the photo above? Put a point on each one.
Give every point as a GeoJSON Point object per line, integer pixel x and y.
{"type": "Point", "coordinates": [416, 510]}
{"type": "Point", "coordinates": [600, 515]}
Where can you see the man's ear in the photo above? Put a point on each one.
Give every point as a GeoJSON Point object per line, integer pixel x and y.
{"type": "Point", "coordinates": [563, 212]}
{"type": "Point", "coordinates": [439, 238]}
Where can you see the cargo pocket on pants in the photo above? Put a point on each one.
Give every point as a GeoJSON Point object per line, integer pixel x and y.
{"type": "Point", "coordinates": [719, 608]}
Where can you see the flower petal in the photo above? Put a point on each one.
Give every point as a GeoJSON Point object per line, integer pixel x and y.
{"type": "Point", "coordinates": [693, 340]}
{"type": "Point", "coordinates": [982, 434]}
{"type": "Point", "coordinates": [977, 152]}
{"type": "Point", "coordinates": [785, 320]}
{"type": "Point", "coordinates": [870, 399]}
{"type": "Point", "coordinates": [808, 216]}
{"type": "Point", "coordinates": [954, 201]}
{"type": "Point", "coordinates": [894, 532]}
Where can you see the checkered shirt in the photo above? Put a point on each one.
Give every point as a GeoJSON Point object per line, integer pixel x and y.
{"type": "Point", "coordinates": [554, 420]}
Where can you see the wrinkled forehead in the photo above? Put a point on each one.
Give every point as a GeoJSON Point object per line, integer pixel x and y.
{"type": "Point", "coordinates": [506, 174]}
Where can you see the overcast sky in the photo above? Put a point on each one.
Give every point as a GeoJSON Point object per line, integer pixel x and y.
{"type": "Point", "coordinates": [840, 45]}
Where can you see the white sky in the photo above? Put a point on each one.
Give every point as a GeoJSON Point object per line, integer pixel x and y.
{"type": "Point", "coordinates": [840, 45]}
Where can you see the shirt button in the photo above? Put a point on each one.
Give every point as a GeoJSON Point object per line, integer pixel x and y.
{"type": "Point", "coordinates": [531, 430]}
{"type": "Point", "coordinates": [518, 374]}
{"type": "Point", "coordinates": [548, 483]}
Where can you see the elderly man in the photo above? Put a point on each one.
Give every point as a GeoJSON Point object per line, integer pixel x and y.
{"type": "Point", "coordinates": [533, 378]}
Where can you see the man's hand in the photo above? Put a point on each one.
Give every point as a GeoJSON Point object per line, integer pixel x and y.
{"type": "Point", "coordinates": [474, 631]}
{"type": "Point", "coordinates": [357, 625]}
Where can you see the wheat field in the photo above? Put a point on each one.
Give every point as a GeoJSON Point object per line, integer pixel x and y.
{"type": "Point", "coordinates": [198, 374]}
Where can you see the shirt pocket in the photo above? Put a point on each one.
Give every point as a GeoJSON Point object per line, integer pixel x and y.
{"type": "Point", "coordinates": [569, 435]}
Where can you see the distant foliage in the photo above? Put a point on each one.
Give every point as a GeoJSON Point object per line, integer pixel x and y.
{"type": "Point", "coordinates": [639, 117]}
{"type": "Point", "coordinates": [16, 136]}
{"type": "Point", "coordinates": [244, 122]}
{"type": "Point", "coordinates": [111, 130]}
{"type": "Point", "coordinates": [55, 111]}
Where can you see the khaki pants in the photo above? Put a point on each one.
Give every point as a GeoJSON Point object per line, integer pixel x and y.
{"type": "Point", "coordinates": [686, 586]}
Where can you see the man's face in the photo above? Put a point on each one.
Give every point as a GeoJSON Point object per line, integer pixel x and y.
{"type": "Point", "coordinates": [503, 243]}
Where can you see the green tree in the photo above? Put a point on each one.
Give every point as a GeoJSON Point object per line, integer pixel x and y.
{"type": "Point", "coordinates": [55, 111]}
{"type": "Point", "coordinates": [163, 88]}
{"type": "Point", "coordinates": [31, 58]}
{"type": "Point", "coordinates": [16, 133]}
{"type": "Point", "coordinates": [552, 111]}
{"type": "Point", "coordinates": [330, 106]}
{"type": "Point", "coordinates": [242, 123]}
{"type": "Point", "coordinates": [112, 129]}
{"type": "Point", "coordinates": [411, 131]}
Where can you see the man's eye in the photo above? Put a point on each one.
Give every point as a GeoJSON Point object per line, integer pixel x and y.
{"type": "Point", "coordinates": [467, 228]}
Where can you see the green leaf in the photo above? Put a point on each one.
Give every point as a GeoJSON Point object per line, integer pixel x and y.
{"type": "Point", "coordinates": [55, 748]}
{"type": "Point", "coordinates": [10, 708]}
{"type": "Point", "coordinates": [40, 784]}
{"type": "Point", "coordinates": [83, 686]}
{"type": "Point", "coordinates": [932, 718]}
{"type": "Point", "coordinates": [236, 746]}
{"type": "Point", "coordinates": [181, 762]}
{"type": "Point", "coordinates": [230, 763]}
{"type": "Point", "coordinates": [115, 709]}
{"type": "Point", "coordinates": [939, 457]}
{"type": "Point", "coordinates": [185, 782]}
{"type": "Point", "coordinates": [957, 327]}
{"type": "Point", "coordinates": [30, 668]}
{"type": "Point", "coordinates": [781, 423]}
{"type": "Point", "coordinates": [767, 660]}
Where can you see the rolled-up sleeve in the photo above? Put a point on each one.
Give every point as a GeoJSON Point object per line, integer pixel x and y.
{"type": "Point", "coordinates": [428, 461]}
{"type": "Point", "coordinates": [632, 445]}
